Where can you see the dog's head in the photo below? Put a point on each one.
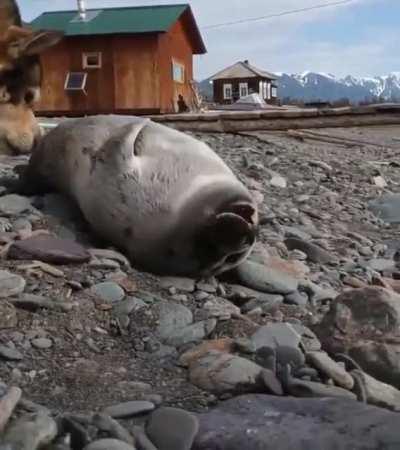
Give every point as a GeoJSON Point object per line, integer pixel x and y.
{"type": "Point", "coordinates": [20, 78]}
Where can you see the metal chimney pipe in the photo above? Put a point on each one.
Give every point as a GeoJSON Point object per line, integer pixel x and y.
{"type": "Point", "coordinates": [81, 8]}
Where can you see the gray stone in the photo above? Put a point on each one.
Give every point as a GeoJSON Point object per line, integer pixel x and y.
{"type": "Point", "coordinates": [49, 249]}
{"type": "Point", "coordinates": [10, 354]}
{"type": "Point", "coordinates": [315, 253]}
{"type": "Point", "coordinates": [243, 295]}
{"type": "Point", "coordinates": [378, 359]}
{"type": "Point", "coordinates": [325, 364]}
{"type": "Point", "coordinates": [10, 284]}
{"type": "Point", "coordinates": [8, 315]}
{"type": "Point", "coordinates": [309, 341]}
{"type": "Point", "coordinates": [13, 205]}
{"type": "Point", "coordinates": [173, 318]}
{"type": "Point", "coordinates": [317, 293]}
{"type": "Point", "coordinates": [378, 393]}
{"type": "Point", "coordinates": [275, 334]}
{"type": "Point", "coordinates": [31, 431]}
{"type": "Point", "coordinates": [271, 382]}
{"type": "Point", "coordinates": [381, 264]}
{"type": "Point", "coordinates": [265, 279]}
{"type": "Point", "coordinates": [221, 373]}
{"type": "Point", "coordinates": [386, 207]}
{"type": "Point", "coordinates": [172, 429]}
{"type": "Point", "coordinates": [128, 409]}
{"type": "Point", "coordinates": [220, 308]}
{"type": "Point", "coordinates": [22, 224]}
{"type": "Point", "coordinates": [109, 444]}
{"type": "Point", "coordinates": [206, 287]}
{"type": "Point", "coordinates": [110, 254]}
{"type": "Point", "coordinates": [289, 355]}
{"type": "Point", "coordinates": [191, 333]}
{"type": "Point", "coordinates": [42, 343]}
{"type": "Point", "coordinates": [108, 291]}
{"type": "Point", "coordinates": [262, 422]}
{"type": "Point", "coordinates": [179, 283]}
{"type": "Point", "coordinates": [129, 305]}
{"type": "Point", "coordinates": [296, 298]}
{"type": "Point", "coordinates": [296, 233]}
{"type": "Point", "coordinates": [304, 388]}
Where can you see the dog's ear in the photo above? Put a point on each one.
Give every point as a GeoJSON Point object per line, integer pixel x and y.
{"type": "Point", "coordinates": [39, 41]}
{"type": "Point", "coordinates": [9, 15]}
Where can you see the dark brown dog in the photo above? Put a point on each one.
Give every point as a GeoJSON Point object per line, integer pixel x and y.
{"type": "Point", "coordinates": [20, 78]}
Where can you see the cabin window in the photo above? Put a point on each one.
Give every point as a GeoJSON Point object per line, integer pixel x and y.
{"type": "Point", "coordinates": [243, 89]}
{"type": "Point", "coordinates": [91, 60]}
{"type": "Point", "coordinates": [274, 92]}
{"type": "Point", "coordinates": [227, 91]}
{"type": "Point", "coordinates": [75, 81]}
{"type": "Point", "coordinates": [178, 72]}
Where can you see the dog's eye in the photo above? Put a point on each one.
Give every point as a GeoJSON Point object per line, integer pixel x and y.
{"type": "Point", "coordinates": [29, 96]}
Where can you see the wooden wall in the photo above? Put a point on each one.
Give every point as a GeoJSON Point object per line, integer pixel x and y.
{"type": "Point", "coordinates": [253, 86]}
{"type": "Point", "coordinates": [136, 73]}
{"type": "Point", "coordinates": [175, 45]}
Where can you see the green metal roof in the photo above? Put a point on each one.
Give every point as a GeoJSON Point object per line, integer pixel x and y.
{"type": "Point", "coordinates": [124, 20]}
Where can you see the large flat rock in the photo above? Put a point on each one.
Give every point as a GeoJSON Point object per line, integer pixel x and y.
{"type": "Point", "coordinates": [262, 422]}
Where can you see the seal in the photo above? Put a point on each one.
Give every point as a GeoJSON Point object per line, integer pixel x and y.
{"type": "Point", "coordinates": [164, 198]}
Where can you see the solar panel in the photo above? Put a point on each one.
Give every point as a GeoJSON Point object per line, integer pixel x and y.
{"type": "Point", "coordinates": [75, 81]}
{"type": "Point", "coordinates": [89, 15]}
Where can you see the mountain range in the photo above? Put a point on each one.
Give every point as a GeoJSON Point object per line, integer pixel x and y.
{"type": "Point", "coordinates": [313, 86]}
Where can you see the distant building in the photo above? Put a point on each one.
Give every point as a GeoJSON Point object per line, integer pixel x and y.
{"type": "Point", "coordinates": [242, 79]}
{"type": "Point", "coordinates": [128, 60]}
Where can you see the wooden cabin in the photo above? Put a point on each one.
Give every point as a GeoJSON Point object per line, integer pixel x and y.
{"type": "Point", "coordinates": [243, 79]}
{"type": "Point", "coordinates": [128, 60]}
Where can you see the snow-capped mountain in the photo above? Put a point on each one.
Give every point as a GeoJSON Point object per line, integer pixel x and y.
{"type": "Point", "coordinates": [312, 86]}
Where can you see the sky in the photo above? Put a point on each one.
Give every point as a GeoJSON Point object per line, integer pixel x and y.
{"type": "Point", "coordinates": [361, 37]}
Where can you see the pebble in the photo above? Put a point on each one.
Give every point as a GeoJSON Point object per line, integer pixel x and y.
{"type": "Point", "coordinates": [315, 253]}
{"type": "Point", "coordinates": [276, 334]}
{"type": "Point", "coordinates": [289, 355]}
{"type": "Point", "coordinates": [172, 429]}
{"type": "Point", "coordinates": [220, 308]}
{"type": "Point", "coordinates": [10, 354]}
{"type": "Point", "coordinates": [129, 409]}
{"type": "Point", "coordinates": [221, 373]}
{"type": "Point", "coordinates": [262, 278]}
{"type": "Point", "coordinates": [42, 343]}
{"type": "Point", "coordinates": [109, 444]}
{"type": "Point", "coordinates": [10, 284]}
{"type": "Point", "coordinates": [271, 382]}
{"type": "Point", "coordinates": [326, 365]}
{"type": "Point", "coordinates": [49, 249]}
{"type": "Point", "coordinates": [179, 283]}
{"type": "Point", "coordinates": [381, 264]}
{"type": "Point", "coordinates": [13, 205]}
{"type": "Point", "coordinates": [108, 291]}
{"type": "Point", "coordinates": [8, 315]}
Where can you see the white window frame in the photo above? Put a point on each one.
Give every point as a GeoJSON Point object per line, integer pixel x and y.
{"type": "Point", "coordinates": [181, 67]}
{"type": "Point", "coordinates": [245, 87]}
{"type": "Point", "coordinates": [227, 87]}
{"type": "Point", "coordinates": [87, 55]}
{"type": "Point", "coordinates": [83, 84]}
{"type": "Point", "coordinates": [274, 92]}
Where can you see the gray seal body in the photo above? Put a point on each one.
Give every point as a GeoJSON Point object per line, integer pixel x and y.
{"type": "Point", "coordinates": [164, 198]}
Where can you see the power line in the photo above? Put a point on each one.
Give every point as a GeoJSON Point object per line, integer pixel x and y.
{"type": "Point", "coordinates": [270, 16]}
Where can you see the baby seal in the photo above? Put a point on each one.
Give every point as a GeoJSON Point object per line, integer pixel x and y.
{"type": "Point", "coordinates": [163, 197]}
